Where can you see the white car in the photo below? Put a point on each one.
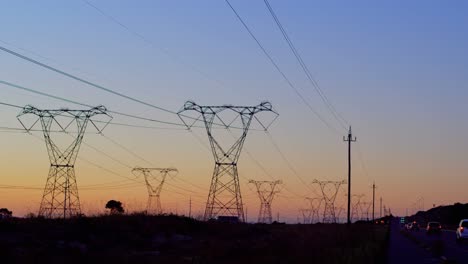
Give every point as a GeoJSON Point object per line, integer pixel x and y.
{"type": "Point", "coordinates": [462, 230]}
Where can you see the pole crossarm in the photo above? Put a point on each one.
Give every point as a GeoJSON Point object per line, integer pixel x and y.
{"type": "Point", "coordinates": [329, 198]}
{"type": "Point", "coordinates": [266, 191]}
{"type": "Point", "coordinates": [154, 179]}
{"type": "Point", "coordinates": [60, 197]}
{"type": "Point", "coordinates": [224, 198]}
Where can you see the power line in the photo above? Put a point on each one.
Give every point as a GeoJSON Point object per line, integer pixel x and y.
{"type": "Point", "coordinates": [109, 111]}
{"type": "Point", "coordinates": [94, 148]}
{"type": "Point", "coordinates": [288, 163]}
{"type": "Point", "coordinates": [74, 77]}
{"type": "Point", "coordinates": [280, 71]}
{"type": "Point", "coordinates": [362, 161]}
{"type": "Point", "coordinates": [81, 104]}
{"type": "Point", "coordinates": [69, 75]}
{"type": "Point", "coordinates": [126, 149]}
{"type": "Point", "coordinates": [151, 43]}
{"type": "Point", "coordinates": [11, 105]}
{"type": "Point", "coordinates": [146, 161]}
{"type": "Point", "coordinates": [311, 79]}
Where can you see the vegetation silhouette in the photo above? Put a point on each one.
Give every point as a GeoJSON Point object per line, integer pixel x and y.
{"type": "Point", "coordinates": [5, 213]}
{"type": "Point", "coordinates": [141, 238]}
{"type": "Point", "coordinates": [115, 207]}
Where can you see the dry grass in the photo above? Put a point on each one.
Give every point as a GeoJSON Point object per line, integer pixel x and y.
{"type": "Point", "coordinates": [173, 239]}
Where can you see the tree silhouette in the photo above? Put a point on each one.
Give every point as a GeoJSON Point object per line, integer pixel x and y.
{"type": "Point", "coordinates": [5, 213]}
{"type": "Point", "coordinates": [115, 207]}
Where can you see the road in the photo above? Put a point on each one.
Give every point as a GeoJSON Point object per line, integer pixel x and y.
{"type": "Point", "coordinates": [402, 250]}
{"type": "Point", "coordinates": [451, 250]}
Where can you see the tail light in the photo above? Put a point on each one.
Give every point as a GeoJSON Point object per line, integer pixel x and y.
{"type": "Point", "coordinates": [461, 229]}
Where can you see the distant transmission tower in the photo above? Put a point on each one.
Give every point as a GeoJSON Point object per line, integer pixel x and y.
{"type": "Point", "coordinates": [365, 210]}
{"type": "Point", "coordinates": [154, 179]}
{"type": "Point", "coordinates": [60, 198]}
{"type": "Point", "coordinates": [338, 211]}
{"type": "Point", "coordinates": [314, 208]}
{"type": "Point", "coordinates": [356, 209]}
{"type": "Point", "coordinates": [266, 192]}
{"type": "Point", "coordinates": [306, 214]}
{"type": "Point", "coordinates": [329, 197]}
{"type": "Point", "coordinates": [224, 198]}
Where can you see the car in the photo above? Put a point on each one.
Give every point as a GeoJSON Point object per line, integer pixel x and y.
{"type": "Point", "coordinates": [433, 227]}
{"type": "Point", "coordinates": [462, 230]}
{"type": "Point", "coordinates": [414, 226]}
{"type": "Point", "coordinates": [408, 226]}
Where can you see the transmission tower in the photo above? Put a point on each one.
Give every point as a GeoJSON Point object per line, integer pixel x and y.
{"type": "Point", "coordinates": [365, 210]}
{"type": "Point", "coordinates": [60, 197]}
{"type": "Point", "coordinates": [338, 211]}
{"type": "Point", "coordinates": [266, 191]}
{"type": "Point", "coordinates": [314, 208]}
{"type": "Point", "coordinates": [356, 206]}
{"type": "Point", "coordinates": [154, 179]}
{"type": "Point", "coordinates": [418, 205]}
{"type": "Point", "coordinates": [306, 216]}
{"type": "Point", "coordinates": [224, 198]}
{"type": "Point", "coordinates": [329, 197]}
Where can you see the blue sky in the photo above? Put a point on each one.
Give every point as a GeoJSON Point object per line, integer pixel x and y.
{"type": "Point", "coordinates": [396, 71]}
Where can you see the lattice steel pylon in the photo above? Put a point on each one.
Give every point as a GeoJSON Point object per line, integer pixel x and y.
{"type": "Point", "coordinates": [224, 198]}
{"type": "Point", "coordinates": [314, 208]}
{"type": "Point", "coordinates": [306, 215]}
{"type": "Point", "coordinates": [365, 210]}
{"type": "Point", "coordinates": [338, 211]}
{"type": "Point", "coordinates": [356, 206]}
{"type": "Point", "coordinates": [266, 191]}
{"type": "Point", "coordinates": [60, 197]}
{"type": "Point", "coordinates": [154, 179]}
{"type": "Point", "coordinates": [329, 198]}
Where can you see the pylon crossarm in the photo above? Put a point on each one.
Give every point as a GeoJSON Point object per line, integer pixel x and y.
{"type": "Point", "coordinates": [154, 184]}
{"type": "Point", "coordinates": [60, 196]}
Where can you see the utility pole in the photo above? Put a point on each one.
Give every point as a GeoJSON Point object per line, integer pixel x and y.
{"type": "Point", "coordinates": [349, 140]}
{"type": "Point", "coordinates": [373, 202]}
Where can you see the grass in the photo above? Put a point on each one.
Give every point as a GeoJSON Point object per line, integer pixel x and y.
{"type": "Point", "coordinates": [173, 239]}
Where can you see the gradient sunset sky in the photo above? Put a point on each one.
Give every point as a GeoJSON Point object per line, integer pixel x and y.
{"type": "Point", "coordinates": [396, 71]}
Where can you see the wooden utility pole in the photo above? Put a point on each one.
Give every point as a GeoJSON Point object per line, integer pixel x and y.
{"type": "Point", "coordinates": [373, 202]}
{"type": "Point", "coordinates": [349, 140]}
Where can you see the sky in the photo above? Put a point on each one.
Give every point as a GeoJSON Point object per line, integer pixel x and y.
{"type": "Point", "coordinates": [395, 71]}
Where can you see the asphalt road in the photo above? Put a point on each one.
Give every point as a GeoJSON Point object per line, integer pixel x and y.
{"type": "Point", "coordinates": [451, 250]}
{"type": "Point", "coordinates": [401, 250]}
